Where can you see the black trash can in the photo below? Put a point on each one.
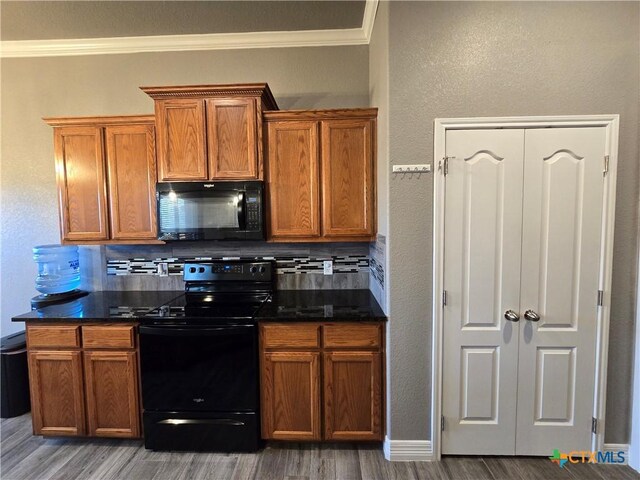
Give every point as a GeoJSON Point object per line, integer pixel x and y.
{"type": "Point", "coordinates": [14, 376]}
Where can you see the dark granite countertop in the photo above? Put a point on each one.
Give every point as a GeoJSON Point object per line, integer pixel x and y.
{"type": "Point", "coordinates": [104, 306]}
{"type": "Point", "coordinates": [286, 305]}
{"type": "Point", "coordinates": [322, 305]}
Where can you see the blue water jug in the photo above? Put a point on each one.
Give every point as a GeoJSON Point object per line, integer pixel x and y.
{"type": "Point", "coordinates": [58, 268]}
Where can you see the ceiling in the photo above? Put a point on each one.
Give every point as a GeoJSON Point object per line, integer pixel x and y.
{"type": "Point", "coordinates": [49, 20]}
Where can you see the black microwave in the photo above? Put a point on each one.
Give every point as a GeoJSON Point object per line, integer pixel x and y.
{"type": "Point", "coordinates": [210, 211]}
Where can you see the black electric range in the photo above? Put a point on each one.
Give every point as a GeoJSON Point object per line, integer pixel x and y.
{"type": "Point", "coordinates": [199, 360]}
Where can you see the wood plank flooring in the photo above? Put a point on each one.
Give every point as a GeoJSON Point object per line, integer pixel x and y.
{"type": "Point", "coordinates": [26, 457]}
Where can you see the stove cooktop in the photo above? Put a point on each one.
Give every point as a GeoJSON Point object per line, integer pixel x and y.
{"type": "Point", "coordinates": [205, 308]}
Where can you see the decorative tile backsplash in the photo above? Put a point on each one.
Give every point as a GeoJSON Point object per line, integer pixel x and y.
{"type": "Point", "coordinates": [284, 265]}
{"type": "Point", "coordinates": [299, 265]}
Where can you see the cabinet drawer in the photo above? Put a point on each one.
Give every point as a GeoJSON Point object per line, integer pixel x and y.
{"type": "Point", "coordinates": [53, 336]}
{"type": "Point", "coordinates": [117, 336]}
{"type": "Point", "coordinates": [291, 336]}
{"type": "Point", "coordinates": [351, 335]}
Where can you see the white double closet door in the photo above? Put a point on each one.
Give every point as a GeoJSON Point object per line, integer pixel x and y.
{"type": "Point", "coordinates": [523, 231]}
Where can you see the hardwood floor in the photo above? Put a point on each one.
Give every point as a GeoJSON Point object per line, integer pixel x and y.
{"type": "Point", "coordinates": [26, 457]}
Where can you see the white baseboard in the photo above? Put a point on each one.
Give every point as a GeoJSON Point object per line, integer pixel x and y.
{"type": "Point", "coordinates": [617, 447]}
{"type": "Point", "coordinates": [408, 450]}
{"type": "Point", "coordinates": [422, 450]}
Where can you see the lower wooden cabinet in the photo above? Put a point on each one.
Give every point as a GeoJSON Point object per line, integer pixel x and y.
{"type": "Point", "coordinates": [291, 395]}
{"type": "Point", "coordinates": [57, 400]}
{"type": "Point", "coordinates": [352, 395]}
{"type": "Point", "coordinates": [87, 389]}
{"type": "Point", "coordinates": [321, 381]}
{"type": "Point", "coordinates": [111, 383]}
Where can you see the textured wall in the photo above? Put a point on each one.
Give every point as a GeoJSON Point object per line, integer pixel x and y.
{"type": "Point", "coordinates": [108, 84]}
{"type": "Point", "coordinates": [93, 19]}
{"type": "Point", "coordinates": [466, 59]}
{"type": "Point", "coordinates": [379, 97]}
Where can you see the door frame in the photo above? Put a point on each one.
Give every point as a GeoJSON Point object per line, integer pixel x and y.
{"type": "Point", "coordinates": [441, 125]}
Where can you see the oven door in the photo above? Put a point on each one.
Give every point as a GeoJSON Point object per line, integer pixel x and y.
{"type": "Point", "coordinates": [199, 368]}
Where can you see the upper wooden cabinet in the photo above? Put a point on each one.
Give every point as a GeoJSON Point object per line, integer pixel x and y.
{"type": "Point", "coordinates": [321, 175]}
{"type": "Point", "coordinates": [181, 145]}
{"type": "Point", "coordinates": [106, 176]}
{"type": "Point", "coordinates": [347, 178]}
{"type": "Point", "coordinates": [293, 179]}
{"type": "Point", "coordinates": [231, 138]}
{"type": "Point", "coordinates": [132, 181]}
{"type": "Point", "coordinates": [210, 131]}
{"type": "Point", "coordinates": [80, 173]}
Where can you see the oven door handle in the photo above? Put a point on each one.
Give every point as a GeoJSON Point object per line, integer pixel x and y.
{"type": "Point", "coordinates": [167, 331]}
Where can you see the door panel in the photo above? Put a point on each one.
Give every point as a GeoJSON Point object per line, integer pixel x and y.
{"type": "Point", "coordinates": [57, 400]}
{"type": "Point", "coordinates": [347, 178]}
{"type": "Point", "coordinates": [112, 394]}
{"type": "Point", "coordinates": [293, 179]}
{"type": "Point", "coordinates": [480, 380]}
{"type": "Point", "coordinates": [291, 396]}
{"type": "Point", "coordinates": [132, 181]}
{"type": "Point", "coordinates": [562, 224]}
{"type": "Point", "coordinates": [555, 387]}
{"type": "Point", "coordinates": [483, 203]}
{"type": "Point", "coordinates": [81, 183]}
{"type": "Point", "coordinates": [231, 128]}
{"type": "Point", "coordinates": [352, 386]}
{"type": "Point", "coordinates": [180, 125]}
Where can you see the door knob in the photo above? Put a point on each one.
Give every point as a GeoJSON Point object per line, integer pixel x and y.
{"type": "Point", "coordinates": [511, 316]}
{"type": "Point", "coordinates": [531, 316]}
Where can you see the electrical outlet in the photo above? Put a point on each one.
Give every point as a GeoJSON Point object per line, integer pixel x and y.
{"type": "Point", "coordinates": [328, 267]}
{"type": "Point", "coordinates": [163, 269]}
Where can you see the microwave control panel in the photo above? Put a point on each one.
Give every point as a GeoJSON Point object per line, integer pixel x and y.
{"type": "Point", "coordinates": [254, 211]}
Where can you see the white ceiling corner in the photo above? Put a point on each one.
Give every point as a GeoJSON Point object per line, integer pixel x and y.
{"type": "Point", "coordinates": [175, 43]}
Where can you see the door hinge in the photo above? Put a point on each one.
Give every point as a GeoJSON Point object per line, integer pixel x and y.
{"type": "Point", "coordinates": [600, 298]}
{"type": "Point", "coordinates": [442, 423]}
{"type": "Point", "coordinates": [444, 166]}
{"type": "Point", "coordinates": [444, 298]}
{"type": "Point", "coordinates": [606, 165]}
{"type": "Point", "coordinates": [594, 425]}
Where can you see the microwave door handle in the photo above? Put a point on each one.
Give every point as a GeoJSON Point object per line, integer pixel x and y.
{"type": "Point", "coordinates": [241, 210]}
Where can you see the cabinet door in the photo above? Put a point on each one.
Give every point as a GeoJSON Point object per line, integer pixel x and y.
{"type": "Point", "coordinates": [293, 180]}
{"type": "Point", "coordinates": [80, 173]}
{"type": "Point", "coordinates": [352, 396]}
{"type": "Point", "coordinates": [181, 146]}
{"type": "Point", "coordinates": [131, 166]}
{"type": "Point", "coordinates": [347, 179]}
{"type": "Point", "coordinates": [291, 396]}
{"type": "Point", "coordinates": [231, 136]}
{"type": "Point", "coordinates": [57, 406]}
{"type": "Point", "coordinates": [112, 394]}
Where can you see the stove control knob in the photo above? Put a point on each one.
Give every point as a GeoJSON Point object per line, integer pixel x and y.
{"type": "Point", "coordinates": [192, 270]}
{"type": "Point", "coordinates": [253, 269]}
{"type": "Point", "coordinates": [200, 269]}
{"type": "Point", "coordinates": [261, 269]}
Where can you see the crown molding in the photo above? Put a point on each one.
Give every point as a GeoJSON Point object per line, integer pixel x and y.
{"type": "Point", "coordinates": [177, 43]}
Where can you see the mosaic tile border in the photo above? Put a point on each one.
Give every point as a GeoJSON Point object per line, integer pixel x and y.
{"type": "Point", "coordinates": [377, 271]}
{"type": "Point", "coordinates": [284, 265]}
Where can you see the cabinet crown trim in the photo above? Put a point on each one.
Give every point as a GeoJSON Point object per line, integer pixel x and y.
{"type": "Point", "coordinates": [100, 121]}
{"type": "Point", "coordinates": [261, 90]}
{"type": "Point", "coordinates": [325, 114]}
